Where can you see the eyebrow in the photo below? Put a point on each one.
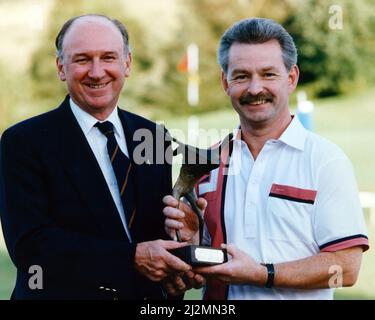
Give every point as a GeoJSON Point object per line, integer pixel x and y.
{"type": "Point", "coordinates": [111, 52]}
{"type": "Point", "coordinates": [235, 71]}
{"type": "Point", "coordinates": [270, 68]}
{"type": "Point", "coordinates": [86, 54]}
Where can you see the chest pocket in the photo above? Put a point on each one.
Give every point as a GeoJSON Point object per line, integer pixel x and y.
{"type": "Point", "coordinates": [289, 214]}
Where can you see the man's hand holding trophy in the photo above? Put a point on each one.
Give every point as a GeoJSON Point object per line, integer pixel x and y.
{"type": "Point", "coordinates": [187, 223]}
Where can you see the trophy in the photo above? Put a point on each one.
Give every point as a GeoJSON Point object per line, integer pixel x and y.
{"type": "Point", "coordinates": [195, 164]}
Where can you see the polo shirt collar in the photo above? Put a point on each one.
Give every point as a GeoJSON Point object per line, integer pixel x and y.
{"type": "Point", "coordinates": [294, 135]}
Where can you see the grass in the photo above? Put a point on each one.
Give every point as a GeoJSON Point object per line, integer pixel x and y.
{"type": "Point", "coordinates": [7, 271]}
{"type": "Point", "coordinates": [347, 121]}
{"type": "Point", "coordinates": [7, 276]}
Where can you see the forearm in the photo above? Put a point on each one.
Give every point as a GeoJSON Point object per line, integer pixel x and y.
{"type": "Point", "coordinates": [324, 270]}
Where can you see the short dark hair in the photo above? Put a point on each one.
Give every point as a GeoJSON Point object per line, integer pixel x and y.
{"type": "Point", "coordinates": [255, 31]}
{"type": "Point", "coordinates": [60, 36]}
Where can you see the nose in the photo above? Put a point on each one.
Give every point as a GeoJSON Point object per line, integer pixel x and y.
{"type": "Point", "coordinates": [96, 71]}
{"type": "Point", "coordinates": [254, 87]}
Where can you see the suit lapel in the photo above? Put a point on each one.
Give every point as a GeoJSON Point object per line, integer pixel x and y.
{"type": "Point", "coordinates": [85, 173]}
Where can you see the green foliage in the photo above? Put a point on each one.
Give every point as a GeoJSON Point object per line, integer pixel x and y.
{"type": "Point", "coordinates": [5, 98]}
{"type": "Point", "coordinates": [331, 60]}
{"type": "Point", "coordinates": [200, 24]}
{"type": "Point", "coordinates": [174, 93]}
{"type": "Point", "coordinates": [46, 84]}
{"type": "Point", "coordinates": [7, 275]}
{"type": "Point", "coordinates": [14, 89]}
{"type": "Point", "coordinates": [155, 82]}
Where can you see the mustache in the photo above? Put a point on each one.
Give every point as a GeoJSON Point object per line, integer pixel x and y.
{"type": "Point", "coordinates": [249, 98]}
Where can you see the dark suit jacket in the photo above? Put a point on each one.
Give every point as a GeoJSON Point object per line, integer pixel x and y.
{"type": "Point", "coordinates": [57, 211]}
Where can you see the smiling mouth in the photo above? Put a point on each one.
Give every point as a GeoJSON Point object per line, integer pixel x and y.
{"type": "Point", "coordinates": [258, 102]}
{"type": "Point", "coordinates": [255, 103]}
{"type": "Point", "coordinates": [255, 100]}
{"type": "Point", "coordinates": [96, 86]}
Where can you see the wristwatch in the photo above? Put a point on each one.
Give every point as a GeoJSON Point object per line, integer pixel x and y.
{"type": "Point", "coordinates": [270, 274]}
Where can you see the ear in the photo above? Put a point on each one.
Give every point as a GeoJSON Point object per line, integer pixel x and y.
{"type": "Point", "coordinates": [293, 79]}
{"type": "Point", "coordinates": [60, 69]}
{"type": "Point", "coordinates": [224, 82]}
{"type": "Point", "coordinates": [128, 64]}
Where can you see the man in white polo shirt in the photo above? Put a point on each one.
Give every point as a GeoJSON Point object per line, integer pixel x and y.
{"type": "Point", "coordinates": [284, 199]}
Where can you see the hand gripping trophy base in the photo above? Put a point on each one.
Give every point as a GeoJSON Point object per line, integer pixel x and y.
{"type": "Point", "coordinates": [200, 256]}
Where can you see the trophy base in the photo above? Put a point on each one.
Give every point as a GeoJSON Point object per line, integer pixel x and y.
{"type": "Point", "coordinates": [199, 256]}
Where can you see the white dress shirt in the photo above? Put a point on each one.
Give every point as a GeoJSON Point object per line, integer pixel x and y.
{"type": "Point", "coordinates": [98, 144]}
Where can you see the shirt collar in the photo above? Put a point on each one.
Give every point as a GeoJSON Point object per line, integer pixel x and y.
{"type": "Point", "coordinates": [87, 121]}
{"type": "Point", "coordinates": [236, 134]}
{"type": "Point", "coordinates": [294, 135]}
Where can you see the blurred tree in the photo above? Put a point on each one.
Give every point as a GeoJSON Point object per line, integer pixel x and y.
{"type": "Point", "coordinates": [226, 12]}
{"type": "Point", "coordinates": [331, 61]}
{"type": "Point", "coordinates": [171, 91]}
{"type": "Point", "coordinates": [334, 59]}
{"type": "Point", "coordinates": [5, 98]}
{"type": "Point", "coordinates": [14, 89]}
{"type": "Point", "coordinates": [203, 23]}
{"type": "Point", "coordinates": [46, 84]}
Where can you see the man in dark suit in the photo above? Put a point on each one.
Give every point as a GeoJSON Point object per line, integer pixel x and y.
{"type": "Point", "coordinates": [64, 210]}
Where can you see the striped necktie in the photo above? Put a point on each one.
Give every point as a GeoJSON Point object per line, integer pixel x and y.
{"type": "Point", "coordinates": [122, 167]}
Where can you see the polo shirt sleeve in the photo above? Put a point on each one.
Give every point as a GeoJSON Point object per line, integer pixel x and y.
{"type": "Point", "coordinates": [338, 218]}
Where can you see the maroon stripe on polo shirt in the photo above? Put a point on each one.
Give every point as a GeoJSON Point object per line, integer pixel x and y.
{"type": "Point", "coordinates": [293, 193]}
{"type": "Point", "coordinates": [344, 243]}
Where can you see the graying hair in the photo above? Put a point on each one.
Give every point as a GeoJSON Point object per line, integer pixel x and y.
{"type": "Point", "coordinates": [256, 31]}
{"type": "Point", "coordinates": [60, 36]}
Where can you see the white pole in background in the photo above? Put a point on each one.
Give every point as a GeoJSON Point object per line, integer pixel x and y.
{"type": "Point", "coordinates": [193, 130]}
{"type": "Point", "coordinates": [193, 90]}
{"type": "Point", "coordinates": [193, 77]}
